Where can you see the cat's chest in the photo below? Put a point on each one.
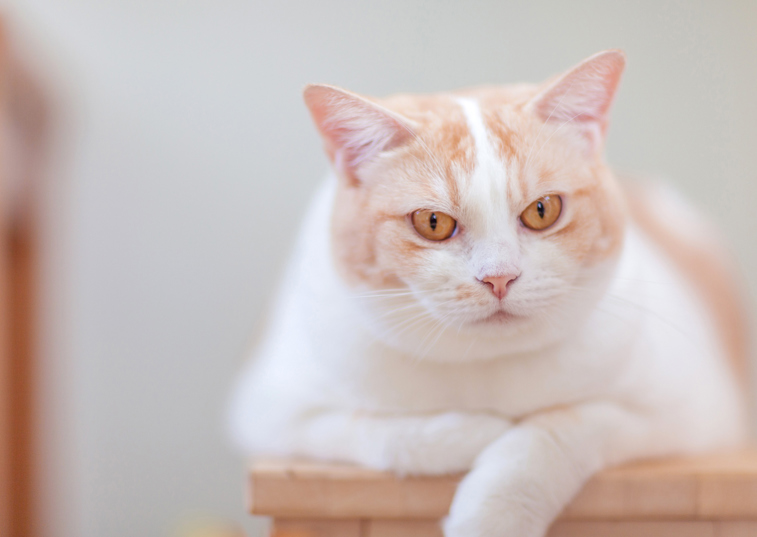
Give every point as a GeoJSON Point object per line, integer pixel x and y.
{"type": "Point", "coordinates": [513, 386]}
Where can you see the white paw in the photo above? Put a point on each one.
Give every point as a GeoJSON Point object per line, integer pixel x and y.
{"type": "Point", "coordinates": [441, 444]}
{"type": "Point", "coordinates": [483, 507]}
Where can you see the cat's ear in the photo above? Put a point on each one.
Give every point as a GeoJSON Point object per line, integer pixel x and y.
{"type": "Point", "coordinates": [580, 99]}
{"type": "Point", "coordinates": [354, 129]}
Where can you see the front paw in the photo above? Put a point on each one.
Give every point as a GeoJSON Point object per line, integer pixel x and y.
{"type": "Point", "coordinates": [442, 444]}
{"type": "Point", "coordinates": [483, 507]}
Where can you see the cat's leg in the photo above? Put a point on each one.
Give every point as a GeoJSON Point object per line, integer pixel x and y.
{"type": "Point", "coordinates": [421, 444]}
{"type": "Point", "coordinates": [263, 422]}
{"type": "Point", "coordinates": [522, 481]}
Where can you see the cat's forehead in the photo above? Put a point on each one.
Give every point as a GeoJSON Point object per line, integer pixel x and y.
{"type": "Point", "coordinates": [442, 122]}
{"type": "Point", "coordinates": [477, 140]}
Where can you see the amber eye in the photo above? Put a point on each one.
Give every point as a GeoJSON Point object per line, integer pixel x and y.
{"type": "Point", "coordinates": [542, 213]}
{"type": "Point", "coordinates": [434, 226]}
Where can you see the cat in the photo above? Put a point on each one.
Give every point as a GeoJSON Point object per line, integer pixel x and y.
{"type": "Point", "coordinates": [473, 290]}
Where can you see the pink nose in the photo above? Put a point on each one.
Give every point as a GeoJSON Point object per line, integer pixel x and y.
{"type": "Point", "coordinates": [499, 284]}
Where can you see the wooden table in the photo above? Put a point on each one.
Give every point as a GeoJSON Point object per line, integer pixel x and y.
{"type": "Point", "coordinates": [712, 496]}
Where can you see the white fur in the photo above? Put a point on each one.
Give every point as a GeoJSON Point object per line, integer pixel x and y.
{"type": "Point", "coordinates": [642, 375]}
{"type": "Point", "coordinates": [499, 253]}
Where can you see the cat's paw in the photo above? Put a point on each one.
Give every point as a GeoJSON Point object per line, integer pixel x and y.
{"type": "Point", "coordinates": [484, 521]}
{"type": "Point", "coordinates": [441, 444]}
{"type": "Point", "coordinates": [492, 517]}
{"type": "Point", "coordinates": [488, 504]}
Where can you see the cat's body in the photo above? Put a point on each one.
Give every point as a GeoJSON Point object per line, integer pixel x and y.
{"type": "Point", "coordinates": [390, 355]}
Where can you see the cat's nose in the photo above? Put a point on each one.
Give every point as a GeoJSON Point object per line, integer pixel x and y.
{"type": "Point", "coordinates": [499, 284]}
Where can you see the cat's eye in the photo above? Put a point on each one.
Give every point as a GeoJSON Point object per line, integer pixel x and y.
{"type": "Point", "coordinates": [433, 225]}
{"type": "Point", "coordinates": [542, 213]}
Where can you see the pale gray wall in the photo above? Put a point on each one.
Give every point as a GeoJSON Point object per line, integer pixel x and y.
{"type": "Point", "coordinates": [186, 158]}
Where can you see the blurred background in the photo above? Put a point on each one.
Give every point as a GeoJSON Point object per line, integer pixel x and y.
{"type": "Point", "coordinates": [177, 158]}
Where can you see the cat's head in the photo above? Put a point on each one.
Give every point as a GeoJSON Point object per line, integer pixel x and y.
{"type": "Point", "coordinates": [483, 219]}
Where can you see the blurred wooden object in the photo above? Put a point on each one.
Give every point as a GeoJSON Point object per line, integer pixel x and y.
{"type": "Point", "coordinates": [6, 382]}
{"type": "Point", "coordinates": [23, 117]}
{"type": "Point", "coordinates": [710, 496]}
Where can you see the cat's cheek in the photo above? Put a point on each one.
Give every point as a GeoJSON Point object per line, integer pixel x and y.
{"type": "Point", "coordinates": [471, 294]}
{"type": "Point", "coordinates": [408, 256]}
{"type": "Point", "coordinates": [359, 236]}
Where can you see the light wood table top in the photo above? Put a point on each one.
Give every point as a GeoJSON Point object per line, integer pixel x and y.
{"type": "Point", "coordinates": [722, 487]}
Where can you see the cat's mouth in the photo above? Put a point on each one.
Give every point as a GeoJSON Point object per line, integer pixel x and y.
{"type": "Point", "coordinates": [498, 317]}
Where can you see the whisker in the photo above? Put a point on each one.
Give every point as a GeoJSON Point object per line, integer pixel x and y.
{"type": "Point", "coordinates": [387, 293]}
{"type": "Point", "coordinates": [391, 330]}
{"type": "Point", "coordinates": [439, 328]}
{"type": "Point", "coordinates": [467, 352]}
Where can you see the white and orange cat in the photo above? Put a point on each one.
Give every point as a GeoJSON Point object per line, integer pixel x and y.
{"type": "Point", "coordinates": [473, 290]}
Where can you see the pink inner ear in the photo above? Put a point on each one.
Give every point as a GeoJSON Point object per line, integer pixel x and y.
{"type": "Point", "coordinates": [581, 98]}
{"type": "Point", "coordinates": [354, 129]}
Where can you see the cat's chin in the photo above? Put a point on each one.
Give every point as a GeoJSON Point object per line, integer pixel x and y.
{"type": "Point", "coordinates": [497, 318]}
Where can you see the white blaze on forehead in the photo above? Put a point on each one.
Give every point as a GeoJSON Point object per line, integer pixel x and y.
{"type": "Point", "coordinates": [495, 249]}
{"type": "Point", "coordinates": [486, 190]}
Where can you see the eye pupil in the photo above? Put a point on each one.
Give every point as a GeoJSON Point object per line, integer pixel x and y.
{"type": "Point", "coordinates": [432, 225]}
{"type": "Point", "coordinates": [542, 213]}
